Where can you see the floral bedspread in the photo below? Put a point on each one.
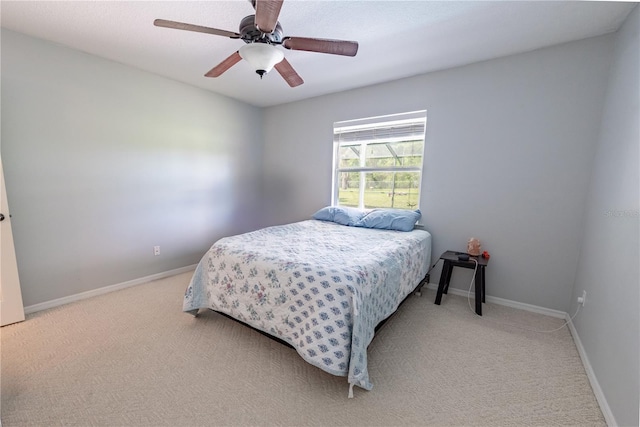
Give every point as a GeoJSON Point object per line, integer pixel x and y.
{"type": "Point", "coordinates": [320, 286]}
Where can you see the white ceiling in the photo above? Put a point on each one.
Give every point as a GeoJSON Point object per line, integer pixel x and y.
{"type": "Point", "coordinates": [397, 38]}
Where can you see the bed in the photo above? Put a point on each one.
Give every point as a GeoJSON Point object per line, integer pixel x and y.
{"type": "Point", "coordinates": [319, 286]}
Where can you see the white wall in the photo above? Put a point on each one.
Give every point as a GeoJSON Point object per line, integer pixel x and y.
{"type": "Point", "coordinates": [103, 162]}
{"type": "Point", "coordinates": [609, 324]}
{"type": "Point", "coordinates": [509, 145]}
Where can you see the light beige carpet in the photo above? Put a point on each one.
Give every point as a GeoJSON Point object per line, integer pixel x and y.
{"type": "Point", "coordinates": [132, 358]}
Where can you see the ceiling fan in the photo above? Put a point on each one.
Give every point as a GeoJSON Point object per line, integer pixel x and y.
{"type": "Point", "coordinates": [262, 33]}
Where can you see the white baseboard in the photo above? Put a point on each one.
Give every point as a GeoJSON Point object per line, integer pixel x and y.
{"type": "Point", "coordinates": [595, 385]}
{"type": "Point", "coordinates": [509, 303]}
{"type": "Point", "coordinates": [593, 380]}
{"type": "Point", "coordinates": [104, 290]}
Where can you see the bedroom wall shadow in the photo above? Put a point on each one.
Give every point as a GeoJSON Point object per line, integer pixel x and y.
{"type": "Point", "coordinates": [609, 326]}
{"type": "Point", "coordinates": [508, 149]}
{"type": "Point", "coordinates": [103, 162]}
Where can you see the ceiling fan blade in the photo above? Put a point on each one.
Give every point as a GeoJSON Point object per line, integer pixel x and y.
{"type": "Point", "coordinates": [288, 73]}
{"type": "Point", "coordinates": [197, 28]}
{"type": "Point", "coordinates": [232, 60]}
{"type": "Point", "coordinates": [267, 12]}
{"type": "Point", "coordinates": [334, 47]}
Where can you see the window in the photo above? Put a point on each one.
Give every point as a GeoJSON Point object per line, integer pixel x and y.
{"type": "Point", "coordinates": [377, 161]}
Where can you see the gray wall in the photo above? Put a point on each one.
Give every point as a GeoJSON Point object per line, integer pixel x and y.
{"type": "Point", "coordinates": [609, 324]}
{"type": "Point", "coordinates": [102, 162]}
{"type": "Point", "coordinates": [509, 146]}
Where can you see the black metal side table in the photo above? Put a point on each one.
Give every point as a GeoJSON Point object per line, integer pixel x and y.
{"type": "Point", "coordinates": [451, 260]}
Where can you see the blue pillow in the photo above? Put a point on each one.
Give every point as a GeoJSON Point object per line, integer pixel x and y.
{"type": "Point", "coordinates": [340, 215]}
{"type": "Point", "coordinates": [325, 214]}
{"type": "Point", "coordinates": [348, 216]}
{"type": "Point", "coordinates": [390, 219]}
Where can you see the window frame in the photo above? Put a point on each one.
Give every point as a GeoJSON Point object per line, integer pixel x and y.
{"type": "Point", "coordinates": [386, 122]}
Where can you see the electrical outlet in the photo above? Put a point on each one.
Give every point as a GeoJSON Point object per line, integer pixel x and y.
{"type": "Point", "coordinates": [583, 299]}
{"type": "Point", "coordinates": [156, 250]}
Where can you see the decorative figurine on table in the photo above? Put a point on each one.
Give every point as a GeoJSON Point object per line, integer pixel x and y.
{"type": "Point", "coordinates": [473, 247]}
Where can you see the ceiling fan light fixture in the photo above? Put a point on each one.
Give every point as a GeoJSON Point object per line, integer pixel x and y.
{"type": "Point", "coordinates": [261, 56]}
